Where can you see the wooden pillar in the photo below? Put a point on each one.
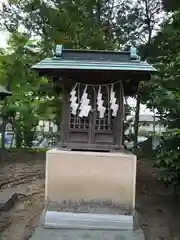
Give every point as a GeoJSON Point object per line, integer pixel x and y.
{"type": "Point", "coordinates": [120, 117]}
{"type": "Point", "coordinates": [64, 120]}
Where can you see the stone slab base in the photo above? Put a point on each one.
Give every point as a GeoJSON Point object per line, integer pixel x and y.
{"type": "Point", "coordinates": [81, 234]}
{"type": "Point", "coordinates": [59, 220]}
{"type": "Point", "coordinates": [55, 234]}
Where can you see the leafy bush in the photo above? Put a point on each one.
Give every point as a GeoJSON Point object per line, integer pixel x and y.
{"type": "Point", "coordinates": [168, 159]}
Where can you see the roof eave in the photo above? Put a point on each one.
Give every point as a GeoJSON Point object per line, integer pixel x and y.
{"type": "Point", "coordinates": [132, 66]}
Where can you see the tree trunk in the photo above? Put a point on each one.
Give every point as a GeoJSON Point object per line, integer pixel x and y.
{"type": "Point", "coordinates": [145, 55]}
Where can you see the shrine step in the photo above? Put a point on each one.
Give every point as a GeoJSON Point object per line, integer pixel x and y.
{"type": "Point", "coordinates": [60, 234]}
{"type": "Point", "coordinates": [62, 220]}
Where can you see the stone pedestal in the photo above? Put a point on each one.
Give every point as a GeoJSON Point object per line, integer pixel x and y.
{"type": "Point", "coordinates": [90, 182]}
{"type": "Point", "coordinates": [89, 195]}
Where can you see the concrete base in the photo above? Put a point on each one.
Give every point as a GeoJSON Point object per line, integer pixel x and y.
{"type": "Point", "coordinates": [89, 190]}
{"type": "Point", "coordinates": [82, 181]}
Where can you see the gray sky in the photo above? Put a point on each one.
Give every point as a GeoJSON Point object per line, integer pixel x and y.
{"type": "Point", "coordinates": [3, 39]}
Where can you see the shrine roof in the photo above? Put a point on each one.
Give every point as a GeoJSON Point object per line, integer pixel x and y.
{"type": "Point", "coordinates": [70, 59]}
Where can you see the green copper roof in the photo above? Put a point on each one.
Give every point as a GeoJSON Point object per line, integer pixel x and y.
{"type": "Point", "coordinates": [68, 59]}
{"type": "Point", "coordinates": [93, 65]}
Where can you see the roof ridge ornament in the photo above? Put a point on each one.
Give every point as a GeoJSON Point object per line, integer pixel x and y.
{"type": "Point", "coordinates": [59, 50]}
{"type": "Point", "coordinates": [133, 52]}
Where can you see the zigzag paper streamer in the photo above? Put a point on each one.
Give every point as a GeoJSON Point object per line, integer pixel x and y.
{"type": "Point", "coordinates": [100, 103]}
{"type": "Point", "coordinates": [85, 108]}
{"type": "Point", "coordinates": [113, 101]}
{"type": "Point", "coordinates": [74, 105]}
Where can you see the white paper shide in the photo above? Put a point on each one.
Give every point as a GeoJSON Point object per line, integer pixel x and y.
{"type": "Point", "coordinates": [74, 104]}
{"type": "Point", "coordinates": [101, 109]}
{"type": "Point", "coordinates": [85, 107]}
{"type": "Point", "coordinates": [113, 102]}
{"type": "Point", "coordinates": [82, 107]}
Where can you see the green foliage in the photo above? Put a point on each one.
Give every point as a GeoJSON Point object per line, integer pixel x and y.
{"type": "Point", "coordinates": [144, 17]}
{"type": "Point", "coordinates": [164, 95]}
{"type": "Point", "coordinates": [29, 103]}
{"type": "Point", "coordinates": [78, 24]}
{"type": "Point", "coordinates": [167, 159]}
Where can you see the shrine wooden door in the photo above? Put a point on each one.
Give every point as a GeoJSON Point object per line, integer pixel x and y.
{"type": "Point", "coordinates": [92, 131]}
{"type": "Point", "coordinates": [102, 128]}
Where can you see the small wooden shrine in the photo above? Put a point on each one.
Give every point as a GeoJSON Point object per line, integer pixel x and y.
{"type": "Point", "coordinates": [4, 93]}
{"type": "Point", "coordinates": [94, 85]}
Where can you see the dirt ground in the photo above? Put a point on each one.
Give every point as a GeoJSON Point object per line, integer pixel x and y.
{"type": "Point", "coordinates": [159, 210]}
